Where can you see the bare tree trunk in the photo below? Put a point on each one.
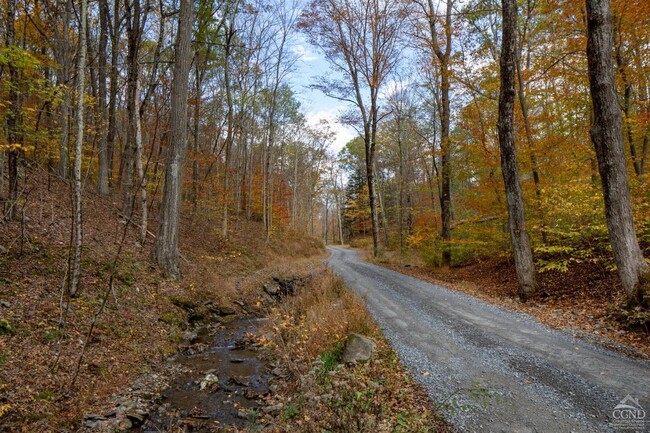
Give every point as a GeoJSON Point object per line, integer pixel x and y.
{"type": "Point", "coordinates": [445, 118]}
{"type": "Point", "coordinates": [112, 96]}
{"type": "Point", "coordinates": [607, 136]}
{"type": "Point", "coordinates": [340, 221]}
{"type": "Point", "coordinates": [13, 134]}
{"type": "Point", "coordinates": [77, 227]}
{"type": "Point", "coordinates": [627, 96]}
{"type": "Point", "coordinates": [230, 34]}
{"type": "Point", "coordinates": [65, 103]}
{"type": "Point", "coordinates": [370, 178]}
{"type": "Point", "coordinates": [133, 18]}
{"type": "Point", "coordinates": [166, 249]}
{"type": "Point", "coordinates": [382, 210]}
{"type": "Point", "coordinates": [370, 140]}
{"type": "Point", "coordinates": [102, 180]}
{"type": "Point", "coordinates": [249, 194]}
{"type": "Point", "coordinates": [139, 156]}
{"type": "Point", "coordinates": [527, 127]}
{"type": "Point", "coordinates": [520, 242]}
{"type": "Point", "coordinates": [198, 81]}
{"type": "Point", "coordinates": [402, 182]}
{"type": "Point", "coordinates": [294, 197]}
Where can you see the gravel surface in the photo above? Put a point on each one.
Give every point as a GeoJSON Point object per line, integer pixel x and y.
{"type": "Point", "coordinates": [493, 370]}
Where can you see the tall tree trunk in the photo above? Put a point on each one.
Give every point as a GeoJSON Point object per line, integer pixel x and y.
{"type": "Point", "coordinates": [607, 136]}
{"type": "Point", "coordinates": [77, 224]}
{"type": "Point", "coordinates": [445, 197]}
{"type": "Point", "coordinates": [198, 82]}
{"type": "Point", "coordinates": [133, 17]}
{"type": "Point", "coordinates": [445, 118]}
{"type": "Point", "coordinates": [64, 53]}
{"type": "Point", "coordinates": [529, 139]}
{"type": "Point", "coordinates": [520, 242]}
{"type": "Point", "coordinates": [111, 134]}
{"type": "Point", "coordinates": [627, 108]}
{"type": "Point", "coordinates": [166, 249]}
{"type": "Point", "coordinates": [402, 181]}
{"type": "Point", "coordinates": [13, 133]}
{"type": "Point", "coordinates": [139, 162]}
{"type": "Point", "coordinates": [230, 34]}
{"type": "Point", "coordinates": [370, 141]}
{"type": "Point", "coordinates": [370, 178]}
{"type": "Point", "coordinates": [102, 178]}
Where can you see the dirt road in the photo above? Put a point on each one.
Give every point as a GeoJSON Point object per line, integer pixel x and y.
{"type": "Point", "coordinates": [492, 370]}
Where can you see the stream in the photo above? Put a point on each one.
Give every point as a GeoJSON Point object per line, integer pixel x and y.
{"type": "Point", "coordinates": [218, 387]}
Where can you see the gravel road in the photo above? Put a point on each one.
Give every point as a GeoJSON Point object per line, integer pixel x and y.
{"type": "Point", "coordinates": [492, 370]}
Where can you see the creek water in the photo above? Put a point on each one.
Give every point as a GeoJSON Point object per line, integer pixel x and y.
{"type": "Point", "coordinates": [216, 386]}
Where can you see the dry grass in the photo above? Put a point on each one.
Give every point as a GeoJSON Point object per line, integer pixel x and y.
{"type": "Point", "coordinates": [321, 316]}
{"type": "Point", "coordinates": [305, 336]}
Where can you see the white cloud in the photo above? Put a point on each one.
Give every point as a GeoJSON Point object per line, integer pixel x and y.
{"type": "Point", "coordinates": [304, 53]}
{"type": "Point", "coordinates": [393, 86]}
{"type": "Point", "coordinates": [343, 133]}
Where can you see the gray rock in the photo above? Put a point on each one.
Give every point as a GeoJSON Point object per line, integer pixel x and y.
{"type": "Point", "coordinates": [136, 418]}
{"type": "Point", "coordinates": [271, 290]}
{"type": "Point", "coordinates": [125, 424]}
{"type": "Point", "coordinates": [267, 299]}
{"type": "Point", "coordinates": [273, 408]}
{"type": "Point", "coordinates": [209, 382]}
{"type": "Point", "coordinates": [190, 336]}
{"type": "Point", "coordinates": [226, 311]}
{"type": "Point", "coordinates": [5, 304]}
{"type": "Point", "coordinates": [358, 348]}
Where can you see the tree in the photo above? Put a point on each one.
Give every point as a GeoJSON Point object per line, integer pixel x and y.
{"type": "Point", "coordinates": [62, 51]}
{"type": "Point", "coordinates": [607, 137]}
{"type": "Point", "coordinates": [135, 22]}
{"type": "Point", "coordinates": [360, 41]}
{"type": "Point", "coordinates": [166, 250]}
{"type": "Point", "coordinates": [13, 115]}
{"type": "Point", "coordinates": [111, 133]}
{"type": "Point", "coordinates": [519, 236]}
{"type": "Point", "coordinates": [443, 57]}
{"type": "Point", "coordinates": [81, 75]}
{"type": "Point", "coordinates": [102, 175]}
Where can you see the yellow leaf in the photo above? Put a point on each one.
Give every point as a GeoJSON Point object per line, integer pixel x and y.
{"type": "Point", "coordinates": [4, 409]}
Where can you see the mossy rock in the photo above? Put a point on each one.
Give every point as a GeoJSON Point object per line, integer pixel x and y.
{"type": "Point", "coordinates": [6, 328]}
{"type": "Point", "coordinates": [172, 318]}
{"type": "Point", "coordinates": [199, 314]}
{"type": "Point", "coordinates": [183, 303]}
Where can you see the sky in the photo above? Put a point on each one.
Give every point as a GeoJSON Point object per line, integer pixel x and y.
{"type": "Point", "coordinates": [314, 103]}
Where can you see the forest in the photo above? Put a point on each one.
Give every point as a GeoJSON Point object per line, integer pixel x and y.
{"type": "Point", "coordinates": [168, 140]}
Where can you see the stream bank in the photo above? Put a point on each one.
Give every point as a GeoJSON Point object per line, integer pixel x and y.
{"type": "Point", "coordinates": [218, 386]}
{"type": "Point", "coordinates": [217, 381]}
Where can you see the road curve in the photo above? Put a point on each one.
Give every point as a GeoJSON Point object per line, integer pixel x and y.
{"type": "Point", "coordinates": [493, 370]}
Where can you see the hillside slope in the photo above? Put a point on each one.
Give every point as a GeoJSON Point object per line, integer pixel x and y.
{"type": "Point", "coordinates": [45, 382]}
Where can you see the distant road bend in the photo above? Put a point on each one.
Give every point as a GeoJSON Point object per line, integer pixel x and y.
{"type": "Point", "coordinates": [538, 379]}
